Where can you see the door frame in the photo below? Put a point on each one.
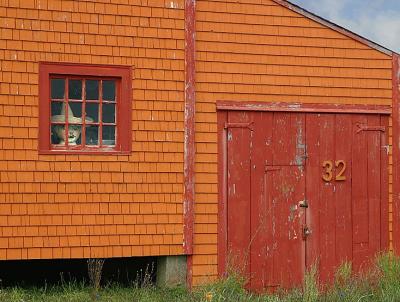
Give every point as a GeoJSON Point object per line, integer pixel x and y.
{"type": "Point", "coordinates": [223, 107]}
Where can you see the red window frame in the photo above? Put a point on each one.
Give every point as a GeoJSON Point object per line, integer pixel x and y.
{"type": "Point", "coordinates": [123, 77]}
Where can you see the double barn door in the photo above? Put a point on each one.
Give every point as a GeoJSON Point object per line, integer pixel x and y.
{"type": "Point", "coordinates": [303, 189]}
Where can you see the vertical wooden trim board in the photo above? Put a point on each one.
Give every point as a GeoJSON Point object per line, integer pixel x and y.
{"type": "Point", "coordinates": [189, 143]}
{"type": "Point", "coordinates": [396, 155]}
{"type": "Point", "coordinates": [222, 117]}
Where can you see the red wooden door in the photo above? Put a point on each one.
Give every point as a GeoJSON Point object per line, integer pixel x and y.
{"type": "Point", "coordinates": [265, 182]}
{"type": "Point", "coordinates": [277, 185]}
{"type": "Point", "coordinates": [303, 189]}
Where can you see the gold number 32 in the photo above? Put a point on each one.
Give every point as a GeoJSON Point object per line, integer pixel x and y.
{"type": "Point", "coordinates": [328, 173]}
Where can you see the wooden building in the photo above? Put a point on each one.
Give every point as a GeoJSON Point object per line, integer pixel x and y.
{"type": "Point", "coordinates": [246, 132]}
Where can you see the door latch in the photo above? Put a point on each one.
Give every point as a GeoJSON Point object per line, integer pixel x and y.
{"type": "Point", "coordinates": [303, 204]}
{"type": "Point", "coordinates": [386, 149]}
{"type": "Point", "coordinates": [306, 232]}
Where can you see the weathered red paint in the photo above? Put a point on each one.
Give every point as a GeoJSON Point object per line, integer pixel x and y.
{"type": "Point", "coordinates": [303, 107]}
{"type": "Point", "coordinates": [46, 69]}
{"type": "Point", "coordinates": [238, 193]}
{"type": "Point", "coordinates": [272, 191]}
{"type": "Point", "coordinates": [222, 193]}
{"type": "Point", "coordinates": [356, 230]}
{"type": "Point", "coordinates": [278, 178]}
{"type": "Point", "coordinates": [333, 26]}
{"type": "Point", "coordinates": [396, 154]}
{"type": "Point", "coordinates": [384, 182]}
{"type": "Point", "coordinates": [189, 141]}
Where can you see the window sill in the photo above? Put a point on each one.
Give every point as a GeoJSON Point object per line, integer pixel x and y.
{"type": "Point", "coordinates": [83, 152]}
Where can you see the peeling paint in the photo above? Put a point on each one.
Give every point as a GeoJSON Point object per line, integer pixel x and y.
{"type": "Point", "coordinates": [286, 189]}
{"type": "Point", "coordinates": [294, 106]}
{"type": "Point", "coordinates": [292, 210]}
{"type": "Point", "coordinates": [189, 129]}
{"type": "Point", "coordinates": [301, 152]}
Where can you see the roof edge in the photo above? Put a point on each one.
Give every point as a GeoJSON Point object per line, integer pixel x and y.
{"type": "Point", "coordinates": [334, 26]}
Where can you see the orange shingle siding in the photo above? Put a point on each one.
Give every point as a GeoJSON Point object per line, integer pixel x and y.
{"type": "Point", "coordinates": [257, 50]}
{"type": "Point", "coordinates": [72, 206]}
{"type": "Point", "coordinates": [100, 206]}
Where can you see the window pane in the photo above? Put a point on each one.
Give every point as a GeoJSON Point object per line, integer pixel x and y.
{"type": "Point", "coordinates": [92, 111]}
{"type": "Point", "coordinates": [92, 135]}
{"type": "Point", "coordinates": [109, 90]}
{"type": "Point", "coordinates": [108, 113]}
{"type": "Point", "coordinates": [76, 111]}
{"type": "Point", "coordinates": [92, 89]}
{"type": "Point", "coordinates": [57, 135]}
{"type": "Point", "coordinates": [57, 88]}
{"type": "Point", "coordinates": [109, 135]}
{"type": "Point", "coordinates": [74, 134]}
{"type": "Point", "coordinates": [57, 108]}
{"type": "Point", "coordinates": [75, 89]}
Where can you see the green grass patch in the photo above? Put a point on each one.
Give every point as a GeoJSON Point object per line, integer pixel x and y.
{"type": "Point", "coordinates": [380, 283]}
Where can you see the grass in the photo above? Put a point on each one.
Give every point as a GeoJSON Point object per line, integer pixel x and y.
{"type": "Point", "coordinates": [380, 283]}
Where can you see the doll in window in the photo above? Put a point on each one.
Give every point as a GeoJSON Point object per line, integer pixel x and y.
{"type": "Point", "coordinates": [59, 136]}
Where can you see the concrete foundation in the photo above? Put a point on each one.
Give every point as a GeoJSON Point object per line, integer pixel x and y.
{"type": "Point", "coordinates": [171, 271]}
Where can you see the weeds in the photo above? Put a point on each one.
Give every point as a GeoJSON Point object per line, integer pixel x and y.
{"type": "Point", "coordinates": [145, 278]}
{"type": "Point", "coordinates": [380, 283]}
{"type": "Point", "coordinates": [311, 291]}
{"type": "Point", "coordinates": [230, 288]}
{"type": "Point", "coordinates": [95, 269]}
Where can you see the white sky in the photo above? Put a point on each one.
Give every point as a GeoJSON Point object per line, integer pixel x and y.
{"type": "Point", "coordinates": [377, 20]}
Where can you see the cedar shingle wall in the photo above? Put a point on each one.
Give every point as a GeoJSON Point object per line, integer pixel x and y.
{"type": "Point", "coordinates": [256, 50]}
{"type": "Point", "coordinates": [62, 206]}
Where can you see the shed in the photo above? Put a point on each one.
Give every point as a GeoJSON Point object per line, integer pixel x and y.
{"type": "Point", "coordinates": [248, 133]}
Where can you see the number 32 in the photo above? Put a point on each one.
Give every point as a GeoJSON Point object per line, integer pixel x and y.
{"type": "Point", "coordinates": [328, 173]}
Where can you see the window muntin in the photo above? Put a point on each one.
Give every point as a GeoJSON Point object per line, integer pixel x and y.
{"type": "Point", "coordinates": [79, 110]}
{"type": "Point", "coordinates": [100, 99]}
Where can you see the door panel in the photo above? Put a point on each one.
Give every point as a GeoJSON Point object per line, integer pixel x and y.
{"type": "Point", "coordinates": [342, 201]}
{"type": "Point", "coordinates": [366, 191]}
{"type": "Point", "coordinates": [360, 185]}
{"type": "Point", "coordinates": [262, 142]}
{"type": "Point", "coordinates": [313, 187]}
{"type": "Point", "coordinates": [277, 247]}
{"type": "Point", "coordinates": [329, 213]}
{"type": "Point", "coordinates": [374, 188]}
{"type": "Point", "coordinates": [284, 246]}
{"type": "Point", "coordinates": [288, 140]}
{"type": "Point", "coordinates": [238, 192]}
{"type": "Point", "coordinates": [326, 247]}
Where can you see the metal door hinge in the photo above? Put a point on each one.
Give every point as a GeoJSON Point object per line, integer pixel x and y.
{"type": "Point", "coordinates": [239, 125]}
{"type": "Point", "coordinates": [369, 128]}
{"type": "Point", "coordinates": [271, 168]}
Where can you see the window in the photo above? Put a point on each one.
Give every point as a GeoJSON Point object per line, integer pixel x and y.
{"type": "Point", "coordinates": [84, 108]}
